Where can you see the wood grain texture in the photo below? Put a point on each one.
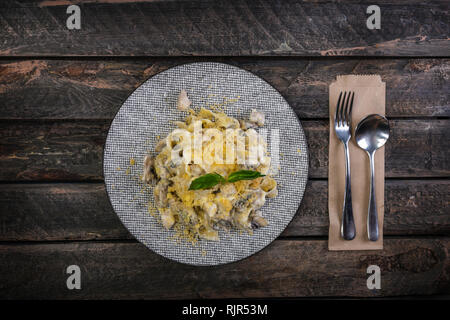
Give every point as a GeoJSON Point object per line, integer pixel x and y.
{"type": "Point", "coordinates": [85, 89]}
{"type": "Point", "coordinates": [277, 28]}
{"type": "Point", "coordinates": [80, 211]}
{"type": "Point", "coordinates": [52, 151]}
{"type": "Point", "coordinates": [60, 88]}
{"type": "Point", "coordinates": [412, 207]}
{"type": "Point", "coordinates": [61, 151]}
{"type": "Point", "coordinates": [283, 269]}
{"type": "Point", "coordinates": [62, 211]}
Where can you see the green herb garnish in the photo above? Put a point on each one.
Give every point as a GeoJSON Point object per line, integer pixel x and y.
{"type": "Point", "coordinates": [211, 179]}
{"type": "Point", "coordinates": [206, 181]}
{"type": "Point", "coordinates": [244, 175]}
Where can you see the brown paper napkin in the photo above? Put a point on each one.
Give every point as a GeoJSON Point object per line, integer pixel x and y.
{"type": "Point", "coordinates": [369, 98]}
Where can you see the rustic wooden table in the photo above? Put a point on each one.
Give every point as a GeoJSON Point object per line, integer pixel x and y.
{"type": "Point", "coordinates": [60, 89]}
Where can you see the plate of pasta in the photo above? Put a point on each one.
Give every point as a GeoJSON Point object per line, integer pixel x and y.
{"type": "Point", "coordinates": [205, 163]}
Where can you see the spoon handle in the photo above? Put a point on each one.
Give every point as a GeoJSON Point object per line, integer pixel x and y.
{"type": "Point", "coordinates": [372, 217]}
{"type": "Point", "coordinates": [348, 230]}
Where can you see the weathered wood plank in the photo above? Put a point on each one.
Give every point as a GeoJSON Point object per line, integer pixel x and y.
{"type": "Point", "coordinates": [42, 212]}
{"type": "Point", "coordinates": [59, 211]}
{"type": "Point", "coordinates": [413, 207]}
{"type": "Point", "coordinates": [162, 28]}
{"type": "Point", "coordinates": [52, 151]}
{"type": "Point", "coordinates": [283, 269]}
{"type": "Point", "coordinates": [85, 89]}
{"type": "Point", "coordinates": [413, 150]}
{"type": "Point", "coordinates": [73, 150]}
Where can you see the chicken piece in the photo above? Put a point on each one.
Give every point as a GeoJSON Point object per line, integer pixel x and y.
{"type": "Point", "coordinates": [209, 234]}
{"type": "Point", "coordinates": [183, 102]}
{"type": "Point", "coordinates": [268, 184]}
{"type": "Point", "coordinates": [224, 206]}
{"type": "Point", "coordinates": [255, 183]}
{"type": "Point", "coordinates": [257, 117]}
{"type": "Point", "coordinates": [167, 218]}
{"type": "Point", "coordinates": [210, 208]}
{"type": "Point", "coordinates": [181, 124]}
{"type": "Point", "coordinates": [228, 190]}
{"type": "Point", "coordinates": [272, 193]}
{"type": "Point", "coordinates": [206, 114]}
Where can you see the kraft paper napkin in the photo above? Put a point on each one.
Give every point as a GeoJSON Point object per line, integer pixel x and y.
{"type": "Point", "coordinates": [370, 96]}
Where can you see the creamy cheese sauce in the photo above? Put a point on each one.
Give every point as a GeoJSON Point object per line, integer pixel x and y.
{"type": "Point", "coordinates": [211, 142]}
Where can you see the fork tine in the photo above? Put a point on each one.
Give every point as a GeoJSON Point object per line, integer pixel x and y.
{"type": "Point", "coordinates": [346, 109]}
{"type": "Point", "coordinates": [336, 116]}
{"type": "Point", "coordinates": [350, 109]}
{"type": "Point", "coordinates": [341, 111]}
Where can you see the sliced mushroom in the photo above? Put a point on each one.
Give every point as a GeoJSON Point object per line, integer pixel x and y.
{"type": "Point", "coordinates": [257, 117]}
{"type": "Point", "coordinates": [243, 202]}
{"type": "Point", "coordinates": [183, 102]}
{"type": "Point", "coordinates": [176, 157]}
{"type": "Point", "coordinates": [160, 145]}
{"type": "Point", "coordinates": [245, 125]}
{"type": "Point", "coordinates": [259, 198]}
{"type": "Point", "coordinates": [258, 221]}
{"type": "Point", "coordinates": [223, 224]}
{"type": "Point", "coordinates": [160, 193]}
{"type": "Point", "coordinates": [148, 174]}
{"type": "Point", "coordinates": [196, 170]}
{"type": "Point", "coordinates": [162, 172]}
{"type": "Point", "coordinates": [234, 124]}
{"type": "Point", "coordinates": [240, 204]}
{"type": "Point", "coordinates": [242, 218]}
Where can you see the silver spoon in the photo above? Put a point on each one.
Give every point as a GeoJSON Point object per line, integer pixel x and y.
{"type": "Point", "coordinates": [371, 134]}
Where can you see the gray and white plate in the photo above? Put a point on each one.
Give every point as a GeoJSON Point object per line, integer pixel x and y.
{"type": "Point", "coordinates": [148, 115]}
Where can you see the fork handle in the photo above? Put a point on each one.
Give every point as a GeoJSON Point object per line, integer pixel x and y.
{"type": "Point", "coordinates": [348, 230]}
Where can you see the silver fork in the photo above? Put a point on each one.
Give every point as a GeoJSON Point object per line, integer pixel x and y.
{"type": "Point", "coordinates": [342, 126]}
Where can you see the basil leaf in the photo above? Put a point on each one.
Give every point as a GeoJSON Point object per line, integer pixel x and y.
{"type": "Point", "coordinates": [206, 181]}
{"type": "Point", "coordinates": [244, 175]}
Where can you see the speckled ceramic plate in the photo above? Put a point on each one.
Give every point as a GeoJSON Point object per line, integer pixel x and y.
{"type": "Point", "coordinates": [149, 113]}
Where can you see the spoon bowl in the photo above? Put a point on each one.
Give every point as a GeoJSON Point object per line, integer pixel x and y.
{"type": "Point", "coordinates": [371, 134]}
